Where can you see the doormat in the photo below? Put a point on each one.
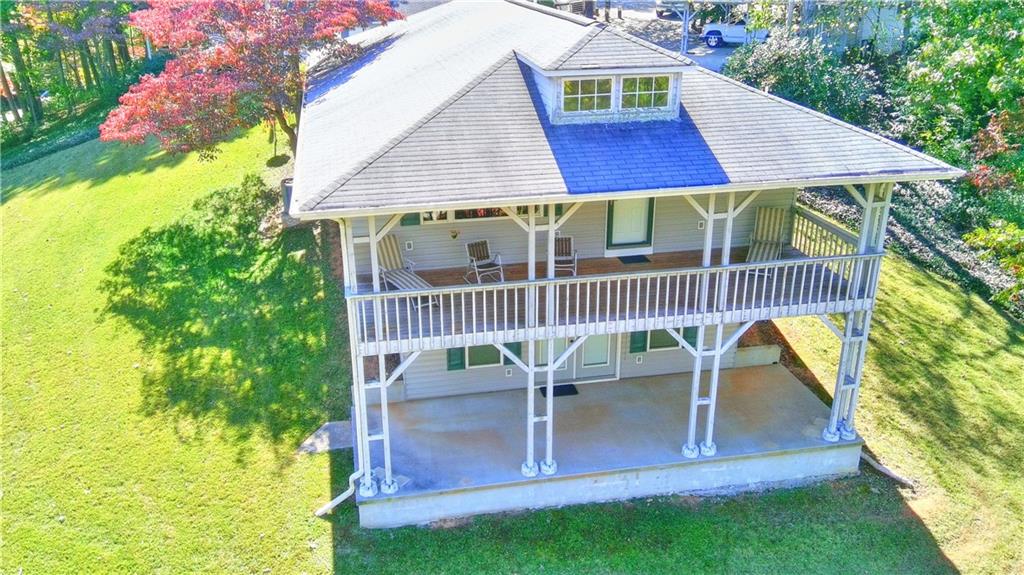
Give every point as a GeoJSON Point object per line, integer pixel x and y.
{"type": "Point", "coordinates": [634, 259]}
{"type": "Point", "coordinates": [560, 390]}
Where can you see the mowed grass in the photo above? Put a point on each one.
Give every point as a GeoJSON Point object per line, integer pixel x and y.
{"type": "Point", "coordinates": [162, 360]}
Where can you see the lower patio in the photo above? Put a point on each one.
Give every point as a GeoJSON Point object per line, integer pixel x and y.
{"type": "Point", "coordinates": [615, 440]}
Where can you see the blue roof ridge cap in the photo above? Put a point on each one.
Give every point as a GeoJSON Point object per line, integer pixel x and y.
{"type": "Point", "coordinates": [831, 120]}
{"type": "Point", "coordinates": [314, 201]}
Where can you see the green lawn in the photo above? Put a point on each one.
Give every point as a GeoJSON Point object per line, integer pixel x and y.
{"type": "Point", "coordinates": [162, 360]}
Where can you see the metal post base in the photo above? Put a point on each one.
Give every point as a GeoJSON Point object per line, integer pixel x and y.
{"type": "Point", "coordinates": [829, 435]}
{"type": "Point", "coordinates": [549, 468]}
{"type": "Point", "coordinates": [708, 449]}
{"type": "Point", "coordinates": [389, 487]}
{"type": "Point", "coordinates": [691, 451]}
{"type": "Point", "coordinates": [367, 488]}
{"type": "Point", "coordinates": [529, 469]}
{"type": "Point", "coordinates": [846, 432]}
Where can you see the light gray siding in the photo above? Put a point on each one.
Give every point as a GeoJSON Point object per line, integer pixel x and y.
{"type": "Point", "coordinates": [675, 229]}
{"type": "Point", "coordinates": [428, 376]}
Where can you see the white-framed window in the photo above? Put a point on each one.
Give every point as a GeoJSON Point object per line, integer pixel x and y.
{"type": "Point", "coordinates": [475, 214]}
{"type": "Point", "coordinates": [641, 92]}
{"type": "Point", "coordinates": [587, 94]}
{"type": "Point", "coordinates": [482, 356]}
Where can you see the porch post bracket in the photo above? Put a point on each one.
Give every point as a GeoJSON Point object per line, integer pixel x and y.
{"type": "Point", "coordinates": [708, 449]}
{"type": "Point", "coordinates": [388, 487]}
{"type": "Point", "coordinates": [548, 468]}
{"type": "Point", "coordinates": [529, 469]}
{"type": "Point", "coordinates": [830, 435]}
{"type": "Point", "coordinates": [367, 487]}
{"type": "Point", "coordinates": [691, 451]}
{"type": "Point", "coordinates": [846, 431]}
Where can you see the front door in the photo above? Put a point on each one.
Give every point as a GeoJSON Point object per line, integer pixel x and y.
{"type": "Point", "coordinates": [597, 358]}
{"type": "Point", "coordinates": [630, 224]}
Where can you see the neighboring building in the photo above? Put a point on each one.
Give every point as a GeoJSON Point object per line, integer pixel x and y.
{"type": "Point", "coordinates": [525, 126]}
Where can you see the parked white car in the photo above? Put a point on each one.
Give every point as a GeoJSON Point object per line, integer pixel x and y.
{"type": "Point", "coordinates": [718, 33]}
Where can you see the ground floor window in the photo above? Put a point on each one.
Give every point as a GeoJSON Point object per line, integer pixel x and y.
{"type": "Point", "coordinates": [654, 340]}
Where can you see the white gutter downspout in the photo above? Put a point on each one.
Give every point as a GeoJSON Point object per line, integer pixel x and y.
{"type": "Point", "coordinates": [330, 505]}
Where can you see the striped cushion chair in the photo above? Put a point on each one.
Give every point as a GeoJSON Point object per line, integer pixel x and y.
{"type": "Point", "coordinates": [766, 239]}
{"type": "Point", "coordinates": [395, 271]}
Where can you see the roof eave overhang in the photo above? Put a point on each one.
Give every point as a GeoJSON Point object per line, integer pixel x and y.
{"type": "Point", "coordinates": [328, 214]}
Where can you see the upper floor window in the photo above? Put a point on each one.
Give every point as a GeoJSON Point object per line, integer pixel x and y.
{"type": "Point", "coordinates": [587, 95]}
{"type": "Point", "coordinates": [645, 92]}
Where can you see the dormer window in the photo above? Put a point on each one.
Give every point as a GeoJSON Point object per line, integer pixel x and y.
{"type": "Point", "coordinates": [644, 92]}
{"type": "Point", "coordinates": [587, 95]}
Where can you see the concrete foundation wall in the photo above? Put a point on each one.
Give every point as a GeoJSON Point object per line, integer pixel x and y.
{"type": "Point", "coordinates": [719, 475]}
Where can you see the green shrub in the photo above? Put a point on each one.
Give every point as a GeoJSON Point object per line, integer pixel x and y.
{"type": "Point", "coordinates": [807, 72]}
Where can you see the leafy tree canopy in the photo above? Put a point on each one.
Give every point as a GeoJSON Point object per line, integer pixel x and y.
{"type": "Point", "coordinates": [235, 62]}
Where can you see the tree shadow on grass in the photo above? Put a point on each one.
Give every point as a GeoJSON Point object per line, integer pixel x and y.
{"type": "Point", "coordinates": [240, 328]}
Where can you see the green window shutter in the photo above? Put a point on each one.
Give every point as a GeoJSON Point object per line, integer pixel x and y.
{"type": "Point", "coordinates": [516, 348]}
{"type": "Point", "coordinates": [559, 208]}
{"type": "Point", "coordinates": [456, 359]}
{"type": "Point", "coordinates": [412, 219]}
{"type": "Point", "coordinates": [638, 342]}
{"type": "Point", "coordinates": [690, 336]}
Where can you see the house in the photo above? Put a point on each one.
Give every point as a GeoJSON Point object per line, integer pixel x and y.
{"type": "Point", "coordinates": [525, 126]}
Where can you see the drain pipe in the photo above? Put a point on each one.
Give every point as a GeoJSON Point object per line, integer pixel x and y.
{"type": "Point", "coordinates": [330, 505]}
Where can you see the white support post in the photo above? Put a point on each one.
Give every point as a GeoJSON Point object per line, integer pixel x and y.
{"type": "Point", "coordinates": [707, 447]}
{"type": "Point", "coordinates": [367, 485]}
{"type": "Point", "coordinates": [690, 449]}
{"type": "Point", "coordinates": [709, 230]}
{"type": "Point", "coordinates": [388, 484]}
{"type": "Point", "coordinates": [548, 466]}
{"type": "Point", "coordinates": [529, 467]}
{"type": "Point", "coordinates": [854, 337]}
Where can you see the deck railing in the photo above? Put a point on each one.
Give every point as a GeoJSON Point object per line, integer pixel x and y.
{"type": "Point", "coordinates": [456, 316]}
{"type": "Point", "coordinates": [815, 236]}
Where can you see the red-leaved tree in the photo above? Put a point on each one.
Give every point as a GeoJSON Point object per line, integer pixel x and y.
{"type": "Point", "coordinates": [235, 63]}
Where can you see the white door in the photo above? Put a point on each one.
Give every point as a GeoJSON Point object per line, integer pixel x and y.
{"type": "Point", "coordinates": [597, 357]}
{"type": "Point", "coordinates": [630, 222]}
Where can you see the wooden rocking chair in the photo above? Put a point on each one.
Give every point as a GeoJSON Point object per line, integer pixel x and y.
{"type": "Point", "coordinates": [482, 263]}
{"type": "Point", "coordinates": [565, 255]}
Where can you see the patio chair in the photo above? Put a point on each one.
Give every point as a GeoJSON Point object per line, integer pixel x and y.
{"type": "Point", "coordinates": [766, 239]}
{"type": "Point", "coordinates": [565, 255]}
{"type": "Point", "coordinates": [482, 263]}
{"type": "Point", "coordinates": [396, 271]}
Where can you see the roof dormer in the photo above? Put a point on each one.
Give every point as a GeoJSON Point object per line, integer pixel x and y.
{"type": "Point", "coordinates": [609, 76]}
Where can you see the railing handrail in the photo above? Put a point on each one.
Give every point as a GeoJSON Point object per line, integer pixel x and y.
{"type": "Point", "coordinates": [542, 282]}
{"type": "Point", "coordinates": [825, 224]}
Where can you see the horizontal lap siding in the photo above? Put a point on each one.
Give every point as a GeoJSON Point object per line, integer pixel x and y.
{"type": "Point", "coordinates": [675, 229]}
{"type": "Point", "coordinates": [428, 376]}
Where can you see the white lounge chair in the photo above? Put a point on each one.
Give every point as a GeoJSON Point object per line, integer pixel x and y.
{"type": "Point", "coordinates": [766, 239]}
{"type": "Point", "coordinates": [395, 270]}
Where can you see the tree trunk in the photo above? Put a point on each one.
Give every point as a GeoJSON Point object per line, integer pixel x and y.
{"type": "Point", "coordinates": [15, 109]}
{"type": "Point", "coordinates": [91, 63]}
{"type": "Point", "coordinates": [83, 58]}
{"type": "Point", "coordinates": [108, 50]}
{"type": "Point", "coordinates": [288, 129]}
{"type": "Point", "coordinates": [122, 51]}
{"type": "Point", "coordinates": [26, 90]}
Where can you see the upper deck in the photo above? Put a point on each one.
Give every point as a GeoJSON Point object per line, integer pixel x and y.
{"type": "Point", "coordinates": [818, 273]}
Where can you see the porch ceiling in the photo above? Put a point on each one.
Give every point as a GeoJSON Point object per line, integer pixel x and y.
{"type": "Point", "coordinates": [476, 440]}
